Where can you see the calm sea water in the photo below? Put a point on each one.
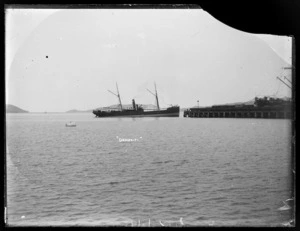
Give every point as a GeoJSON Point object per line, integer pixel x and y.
{"type": "Point", "coordinates": [211, 171]}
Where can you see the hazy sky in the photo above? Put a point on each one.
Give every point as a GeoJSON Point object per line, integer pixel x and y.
{"type": "Point", "coordinates": [57, 60]}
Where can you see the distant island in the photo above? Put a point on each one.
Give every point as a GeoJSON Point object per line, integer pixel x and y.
{"type": "Point", "coordinates": [14, 109]}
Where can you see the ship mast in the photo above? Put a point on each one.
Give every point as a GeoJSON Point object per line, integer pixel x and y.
{"type": "Point", "coordinates": [118, 95]}
{"type": "Point", "coordinates": [156, 97]}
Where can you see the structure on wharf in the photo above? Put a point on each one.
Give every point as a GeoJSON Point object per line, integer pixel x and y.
{"type": "Point", "coordinates": [266, 107]}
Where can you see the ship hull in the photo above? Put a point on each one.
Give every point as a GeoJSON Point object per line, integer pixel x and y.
{"type": "Point", "coordinates": [169, 112]}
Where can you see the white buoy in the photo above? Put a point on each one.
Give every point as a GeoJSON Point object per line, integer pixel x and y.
{"type": "Point", "coordinates": [22, 217]}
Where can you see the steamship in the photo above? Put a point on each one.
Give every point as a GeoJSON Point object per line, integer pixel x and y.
{"type": "Point", "coordinates": [137, 110]}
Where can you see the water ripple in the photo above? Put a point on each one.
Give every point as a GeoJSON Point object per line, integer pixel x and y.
{"type": "Point", "coordinates": [212, 172]}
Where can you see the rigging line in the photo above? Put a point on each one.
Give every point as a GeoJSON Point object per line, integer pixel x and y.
{"type": "Point", "coordinates": [282, 71]}
{"type": "Point", "coordinates": [279, 85]}
{"type": "Point", "coordinates": [287, 79]}
{"type": "Point", "coordinates": [284, 82]}
{"type": "Point", "coordinates": [195, 34]}
{"type": "Point", "coordinates": [151, 92]}
{"type": "Point", "coordinates": [112, 93]}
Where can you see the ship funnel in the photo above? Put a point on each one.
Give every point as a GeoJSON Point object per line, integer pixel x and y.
{"type": "Point", "coordinates": [133, 104]}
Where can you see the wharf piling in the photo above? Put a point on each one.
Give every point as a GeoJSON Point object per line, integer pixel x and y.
{"type": "Point", "coordinates": [194, 113]}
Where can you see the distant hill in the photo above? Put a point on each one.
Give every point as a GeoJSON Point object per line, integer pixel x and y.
{"type": "Point", "coordinates": [13, 109]}
{"type": "Point", "coordinates": [128, 106]}
{"type": "Point", "coordinates": [250, 102]}
{"type": "Point", "coordinates": [78, 111]}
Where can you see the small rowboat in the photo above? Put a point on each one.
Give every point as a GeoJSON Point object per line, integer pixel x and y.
{"type": "Point", "coordinates": [71, 124]}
